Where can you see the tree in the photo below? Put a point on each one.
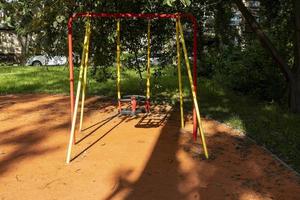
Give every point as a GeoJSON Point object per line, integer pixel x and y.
{"type": "Point", "coordinates": [291, 77]}
{"type": "Point", "coordinates": [295, 104]}
{"type": "Point", "coordinates": [42, 20]}
{"type": "Point", "coordinates": [46, 22]}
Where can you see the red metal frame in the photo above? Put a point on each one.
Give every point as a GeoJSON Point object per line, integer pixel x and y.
{"type": "Point", "coordinates": [134, 15]}
{"type": "Point", "coordinates": [147, 105]}
{"type": "Point", "coordinates": [133, 105]}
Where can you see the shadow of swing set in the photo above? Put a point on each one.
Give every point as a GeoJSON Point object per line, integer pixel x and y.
{"type": "Point", "coordinates": [135, 101]}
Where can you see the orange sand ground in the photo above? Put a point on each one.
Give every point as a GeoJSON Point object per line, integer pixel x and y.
{"type": "Point", "coordinates": [148, 158]}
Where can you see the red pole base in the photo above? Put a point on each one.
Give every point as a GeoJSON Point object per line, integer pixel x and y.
{"type": "Point", "coordinates": [195, 125]}
{"type": "Point", "coordinates": [133, 105]}
{"type": "Point", "coordinates": [119, 106]}
{"type": "Point", "coordinates": [147, 105]}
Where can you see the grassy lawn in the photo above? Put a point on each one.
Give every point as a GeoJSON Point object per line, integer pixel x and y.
{"type": "Point", "coordinates": [33, 80]}
{"type": "Point", "coordinates": [266, 123]}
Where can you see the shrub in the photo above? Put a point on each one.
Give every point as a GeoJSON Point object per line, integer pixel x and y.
{"type": "Point", "coordinates": [249, 71]}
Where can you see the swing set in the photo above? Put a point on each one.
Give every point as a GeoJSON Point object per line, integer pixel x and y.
{"type": "Point", "coordinates": [133, 100]}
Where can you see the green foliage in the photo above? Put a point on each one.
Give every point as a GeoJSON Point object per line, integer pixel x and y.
{"type": "Point", "coordinates": [267, 123]}
{"type": "Point", "coordinates": [45, 24]}
{"type": "Point", "coordinates": [234, 59]}
{"type": "Point", "coordinates": [45, 20]}
{"type": "Point", "coordinates": [248, 71]}
{"type": "Point", "coordinates": [171, 2]}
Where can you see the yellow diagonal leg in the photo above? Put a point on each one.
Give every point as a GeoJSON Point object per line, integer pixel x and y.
{"type": "Point", "coordinates": [148, 62]}
{"type": "Point", "coordinates": [192, 88]}
{"type": "Point", "coordinates": [118, 65]}
{"type": "Point", "coordinates": [84, 82]}
{"type": "Point", "coordinates": [179, 75]}
{"type": "Point", "coordinates": [72, 132]}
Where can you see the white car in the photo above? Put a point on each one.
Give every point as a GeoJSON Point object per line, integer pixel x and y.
{"type": "Point", "coordinates": [153, 61]}
{"type": "Point", "coordinates": [40, 60]}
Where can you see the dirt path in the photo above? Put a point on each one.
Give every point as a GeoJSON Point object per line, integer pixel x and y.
{"type": "Point", "coordinates": [119, 158]}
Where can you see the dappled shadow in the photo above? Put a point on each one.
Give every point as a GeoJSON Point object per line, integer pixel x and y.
{"type": "Point", "coordinates": [99, 139]}
{"type": "Point", "coordinates": [151, 121]}
{"type": "Point", "coordinates": [26, 148]}
{"type": "Point", "coordinates": [160, 171]}
{"type": "Point", "coordinates": [176, 169]}
{"type": "Point", "coordinates": [24, 130]}
{"type": "Point", "coordinates": [265, 123]}
{"type": "Point", "coordinates": [28, 121]}
{"type": "Point", "coordinates": [98, 125]}
{"type": "Point", "coordinates": [156, 118]}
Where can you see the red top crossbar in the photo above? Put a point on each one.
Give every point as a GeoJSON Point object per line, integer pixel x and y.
{"type": "Point", "coordinates": [133, 15]}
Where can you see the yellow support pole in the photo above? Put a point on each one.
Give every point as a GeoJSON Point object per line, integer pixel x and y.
{"type": "Point", "coordinates": [192, 88]}
{"type": "Point", "coordinates": [72, 132]}
{"type": "Point", "coordinates": [148, 61]}
{"type": "Point", "coordinates": [118, 61]}
{"type": "Point", "coordinates": [85, 67]}
{"type": "Point", "coordinates": [179, 75]}
{"type": "Point", "coordinates": [83, 97]}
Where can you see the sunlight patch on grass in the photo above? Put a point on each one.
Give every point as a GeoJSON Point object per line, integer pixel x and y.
{"type": "Point", "coordinates": [236, 121]}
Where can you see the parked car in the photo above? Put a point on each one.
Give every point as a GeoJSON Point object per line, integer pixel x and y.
{"type": "Point", "coordinates": [143, 59]}
{"type": "Point", "coordinates": [39, 60]}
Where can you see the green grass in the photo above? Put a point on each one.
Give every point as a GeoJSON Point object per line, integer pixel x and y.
{"type": "Point", "coordinates": [33, 80]}
{"type": "Point", "coordinates": [267, 123]}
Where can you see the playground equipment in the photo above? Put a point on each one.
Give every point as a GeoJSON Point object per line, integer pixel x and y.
{"type": "Point", "coordinates": [135, 102]}
{"type": "Point", "coordinates": [133, 99]}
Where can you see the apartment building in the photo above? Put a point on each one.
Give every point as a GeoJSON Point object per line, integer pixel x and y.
{"type": "Point", "coordinates": [10, 45]}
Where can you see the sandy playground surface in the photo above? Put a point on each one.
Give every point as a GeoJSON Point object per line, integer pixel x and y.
{"type": "Point", "coordinates": [147, 158]}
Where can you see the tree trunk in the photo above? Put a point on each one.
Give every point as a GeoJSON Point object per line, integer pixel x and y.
{"type": "Point", "coordinates": [295, 90]}
{"type": "Point", "coordinates": [222, 25]}
{"type": "Point", "coordinates": [23, 42]}
{"type": "Point", "coordinates": [265, 41]}
{"type": "Point", "coordinates": [219, 26]}
{"type": "Point", "coordinates": [292, 79]}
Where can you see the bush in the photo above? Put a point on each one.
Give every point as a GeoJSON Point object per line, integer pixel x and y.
{"type": "Point", "coordinates": [104, 73]}
{"type": "Point", "coordinates": [249, 71]}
